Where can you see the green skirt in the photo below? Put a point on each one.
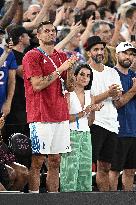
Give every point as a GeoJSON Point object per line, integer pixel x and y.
{"type": "Point", "coordinates": [76, 166]}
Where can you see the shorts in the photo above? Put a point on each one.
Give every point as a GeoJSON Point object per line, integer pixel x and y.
{"type": "Point", "coordinates": [103, 142]}
{"type": "Point", "coordinates": [50, 138]}
{"type": "Point", "coordinates": [124, 154]}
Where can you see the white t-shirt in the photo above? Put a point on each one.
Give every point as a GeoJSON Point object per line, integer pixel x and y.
{"type": "Point", "coordinates": [107, 116]}
{"type": "Point", "coordinates": [75, 107]}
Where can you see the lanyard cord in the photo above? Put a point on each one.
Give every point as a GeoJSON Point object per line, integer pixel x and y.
{"type": "Point", "coordinates": [55, 66]}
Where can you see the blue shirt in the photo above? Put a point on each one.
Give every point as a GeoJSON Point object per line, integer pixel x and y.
{"type": "Point", "coordinates": [10, 63]}
{"type": "Point", "coordinates": [127, 113]}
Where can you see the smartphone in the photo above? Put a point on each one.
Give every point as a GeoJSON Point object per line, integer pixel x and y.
{"type": "Point", "coordinates": [8, 39]}
{"type": "Point", "coordinates": [93, 14]}
{"type": "Point", "coordinates": [77, 18]}
{"type": "Point", "coordinates": [133, 38]}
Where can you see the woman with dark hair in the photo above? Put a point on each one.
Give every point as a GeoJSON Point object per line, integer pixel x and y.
{"type": "Point", "coordinates": [76, 167]}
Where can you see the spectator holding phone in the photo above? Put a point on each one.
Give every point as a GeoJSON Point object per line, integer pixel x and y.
{"type": "Point", "coordinates": [7, 78]}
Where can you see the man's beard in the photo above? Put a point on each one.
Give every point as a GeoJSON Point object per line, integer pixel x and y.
{"type": "Point", "coordinates": [98, 59]}
{"type": "Point", "coordinates": [125, 64]}
{"type": "Point", "coordinates": [49, 43]}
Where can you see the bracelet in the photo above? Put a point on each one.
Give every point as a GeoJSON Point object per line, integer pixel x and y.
{"type": "Point", "coordinates": [85, 113]}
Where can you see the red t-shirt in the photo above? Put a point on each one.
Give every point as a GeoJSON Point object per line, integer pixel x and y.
{"type": "Point", "coordinates": [48, 105]}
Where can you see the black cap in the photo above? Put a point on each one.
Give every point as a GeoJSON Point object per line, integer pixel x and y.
{"type": "Point", "coordinates": [92, 41]}
{"type": "Point", "coordinates": [2, 31]}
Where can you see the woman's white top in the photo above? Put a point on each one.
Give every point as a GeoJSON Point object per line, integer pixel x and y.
{"type": "Point", "coordinates": [75, 107]}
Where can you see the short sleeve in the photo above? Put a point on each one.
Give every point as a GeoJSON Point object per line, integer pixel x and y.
{"type": "Point", "coordinates": [32, 64]}
{"type": "Point", "coordinates": [12, 64]}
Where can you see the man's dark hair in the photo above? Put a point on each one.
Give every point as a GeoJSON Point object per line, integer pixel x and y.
{"type": "Point", "coordinates": [88, 87]}
{"type": "Point", "coordinates": [86, 15]}
{"type": "Point", "coordinates": [130, 12]}
{"type": "Point", "coordinates": [102, 11]}
{"type": "Point", "coordinates": [15, 33]}
{"type": "Point", "coordinates": [45, 23]}
{"type": "Point", "coordinates": [89, 3]}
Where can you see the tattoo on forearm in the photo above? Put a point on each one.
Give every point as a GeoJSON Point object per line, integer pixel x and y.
{"type": "Point", "coordinates": [50, 77]}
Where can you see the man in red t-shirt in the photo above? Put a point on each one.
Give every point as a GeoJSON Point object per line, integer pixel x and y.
{"type": "Point", "coordinates": [45, 69]}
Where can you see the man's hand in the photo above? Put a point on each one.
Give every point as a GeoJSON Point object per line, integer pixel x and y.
{"type": "Point", "coordinates": [81, 4]}
{"type": "Point", "coordinates": [93, 108]}
{"type": "Point", "coordinates": [60, 15]}
{"type": "Point", "coordinates": [114, 91]}
{"type": "Point", "coordinates": [134, 85]}
{"type": "Point", "coordinates": [75, 28]}
{"type": "Point", "coordinates": [69, 63]}
{"type": "Point", "coordinates": [8, 47]}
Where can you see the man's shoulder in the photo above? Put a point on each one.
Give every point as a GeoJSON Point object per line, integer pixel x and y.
{"type": "Point", "coordinates": [132, 73]}
{"type": "Point", "coordinates": [110, 70]}
{"type": "Point", "coordinates": [107, 68]}
{"type": "Point", "coordinates": [32, 54]}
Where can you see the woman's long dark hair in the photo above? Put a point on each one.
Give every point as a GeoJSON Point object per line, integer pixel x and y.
{"type": "Point", "coordinates": [87, 87]}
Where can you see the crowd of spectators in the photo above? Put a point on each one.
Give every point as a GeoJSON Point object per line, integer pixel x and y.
{"type": "Point", "coordinates": [78, 24]}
